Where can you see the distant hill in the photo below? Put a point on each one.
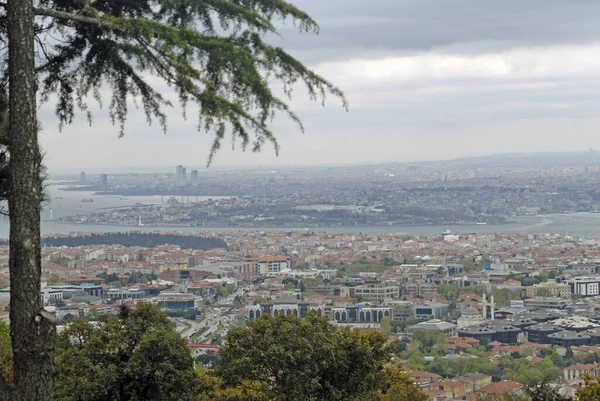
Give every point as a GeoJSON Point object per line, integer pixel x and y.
{"type": "Point", "coordinates": [523, 159]}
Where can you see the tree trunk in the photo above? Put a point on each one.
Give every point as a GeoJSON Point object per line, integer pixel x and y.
{"type": "Point", "coordinates": [32, 329]}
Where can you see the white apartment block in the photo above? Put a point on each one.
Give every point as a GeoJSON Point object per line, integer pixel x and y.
{"type": "Point", "coordinates": [585, 286]}
{"type": "Point", "coordinates": [270, 265]}
{"type": "Point", "coordinates": [376, 292]}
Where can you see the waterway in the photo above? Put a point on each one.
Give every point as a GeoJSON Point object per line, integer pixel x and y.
{"type": "Point", "coordinates": [67, 203]}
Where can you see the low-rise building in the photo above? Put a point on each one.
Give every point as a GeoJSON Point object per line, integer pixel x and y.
{"type": "Point", "coordinates": [458, 388]}
{"type": "Point", "coordinates": [552, 288]}
{"type": "Point", "coordinates": [466, 343]}
{"type": "Point", "coordinates": [579, 371]}
{"type": "Point", "coordinates": [585, 286]}
{"type": "Point", "coordinates": [176, 301]}
{"type": "Point", "coordinates": [539, 333]}
{"type": "Point", "coordinates": [499, 388]}
{"type": "Point", "coordinates": [422, 378]}
{"type": "Point", "coordinates": [283, 307]}
{"type": "Point", "coordinates": [67, 313]}
{"type": "Point", "coordinates": [434, 325]}
{"type": "Point", "coordinates": [495, 330]}
{"type": "Point", "coordinates": [375, 291]}
{"type": "Point", "coordinates": [50, 295]}
{"type": "Point", "coordinates": [477, 380]}
{"type": "Point", "coordinates": [125, 293]}
{"type": "Point", "coordinates": [546, 303]}
{"type": "Point", "coordinates": [270, 265]}
{"type": "Point", "coordinates": [430, 311]}
{"type": "Point", "coordinates": [567, 338]}
{"type": "Point", "coordinates": [359, 313]}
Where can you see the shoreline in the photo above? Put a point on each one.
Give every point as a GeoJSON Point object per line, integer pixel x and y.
{"type": "Point", "coordinates": [282, 228]}
{"type": "Point", "coordinates": [583, 225]}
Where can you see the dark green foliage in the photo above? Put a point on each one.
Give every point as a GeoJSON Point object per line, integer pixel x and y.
{"type": "Point", "coordinates": [213, 360]}
{"type": "Point", "coordinates": [110, 278]}
{"type": "Point", "coordinates": [5, 352]}
{"type": "Point", "coordinates": [137, 356]}
{"type": "Point", "coordinates": [141, 278]}
{"type": "Point", "coordinates": [306, 359]}
{"type": "Point", "coordinates": [147, 240]}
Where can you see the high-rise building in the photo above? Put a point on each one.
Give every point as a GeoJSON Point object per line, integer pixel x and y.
{"type": "Point", "coordinates": [104, 180]}
{"type": "Point", "coordinates": [194, 175]}
{"type": "Point", "coordinates": [82, 177]}
{"type": "Point", "coordinates": [183, 174]}
{"type": "Point", "coordinates": [179, 169]}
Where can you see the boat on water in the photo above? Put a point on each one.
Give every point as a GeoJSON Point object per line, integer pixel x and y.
{"type": "Point", "coordinates": [87, 200]}
{"type": "Point", "coordinates": [446, 232]}
{"type": "Point", "coordinates": [481, 223]}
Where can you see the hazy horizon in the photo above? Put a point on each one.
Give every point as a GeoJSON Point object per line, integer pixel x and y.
{"type": "Point", "coordinates": [257, 166]}
{"type": "Point", "coordinates": [171, 168]}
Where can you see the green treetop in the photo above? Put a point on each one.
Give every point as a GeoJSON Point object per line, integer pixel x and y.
{"type": "Point", "coordinates": [137, 356]}
{"type": "Point", "coordinates": [306, 359]}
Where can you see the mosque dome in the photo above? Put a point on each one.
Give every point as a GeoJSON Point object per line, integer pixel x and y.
{"type": "Point", "coordinates": [470, 311]}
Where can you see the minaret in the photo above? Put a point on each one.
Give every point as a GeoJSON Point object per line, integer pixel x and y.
{"type": "Point", "coordinates": [493, 305]}
{"type": "Point", "coordinates": [140, 220]}
{"type": "Point", "coordinates": [484, 304]}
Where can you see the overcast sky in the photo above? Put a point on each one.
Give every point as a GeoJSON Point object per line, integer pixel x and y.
{"type": "Point", "coordinates": [426, 80]}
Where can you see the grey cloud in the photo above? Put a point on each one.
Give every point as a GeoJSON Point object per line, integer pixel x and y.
{"type": "Point", "coordinates": [364, 27]}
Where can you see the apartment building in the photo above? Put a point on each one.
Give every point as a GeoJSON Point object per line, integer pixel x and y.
{"type": "Point", "coordinates": [125, 293]}
{"type": "Point", "coordinates": [546, 303]}
{"type": "Point", "coordinates": [430, 311]}
{"type": "Point", "coordinates": [585, 286]}
{"type": "Point", "coordinates": [270, 265]}
{"type": "Point", "coordinates": [376, 291]}
{"type": "Point", "coordinates": [554, 289]}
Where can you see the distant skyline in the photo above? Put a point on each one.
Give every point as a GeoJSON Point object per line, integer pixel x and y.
{"type": "Point", "coordinates": [431, 80]}
{"type": "Point", "coordinates": [277, 167]}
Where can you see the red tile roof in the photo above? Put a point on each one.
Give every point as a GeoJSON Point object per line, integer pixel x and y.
{"type": "Point", "coordinates": [502, 387]}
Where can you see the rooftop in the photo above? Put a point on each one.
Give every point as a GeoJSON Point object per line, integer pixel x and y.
{"type": "Point", "coordinates": [434, 324]}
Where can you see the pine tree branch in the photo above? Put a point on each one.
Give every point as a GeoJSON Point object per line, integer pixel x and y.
{"type": "Point", "coordinates": [63, 15]}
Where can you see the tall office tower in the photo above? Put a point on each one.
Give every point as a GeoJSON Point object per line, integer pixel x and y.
{"type": "Point", "coordinates": [183, 174]}
{"type": "Point", "coordinates": [178, 172]}
{"type": "Point", "coordinates": [194, 176]}
{"type": "Point", "coordinates": [104, 180]}
{"type": "Point", "coordinates": [82, 177]}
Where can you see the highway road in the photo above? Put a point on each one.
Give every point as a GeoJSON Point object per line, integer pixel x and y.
{"type": "Point", "coordinates": [219, 318]}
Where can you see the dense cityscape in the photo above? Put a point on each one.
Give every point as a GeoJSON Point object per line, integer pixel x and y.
{"type": "Point", "coordinates": [466, 191]}
{"type": "Point", "coordinates": [277, 200]}
{"type": "Point", "coordinates": [471, 314]}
